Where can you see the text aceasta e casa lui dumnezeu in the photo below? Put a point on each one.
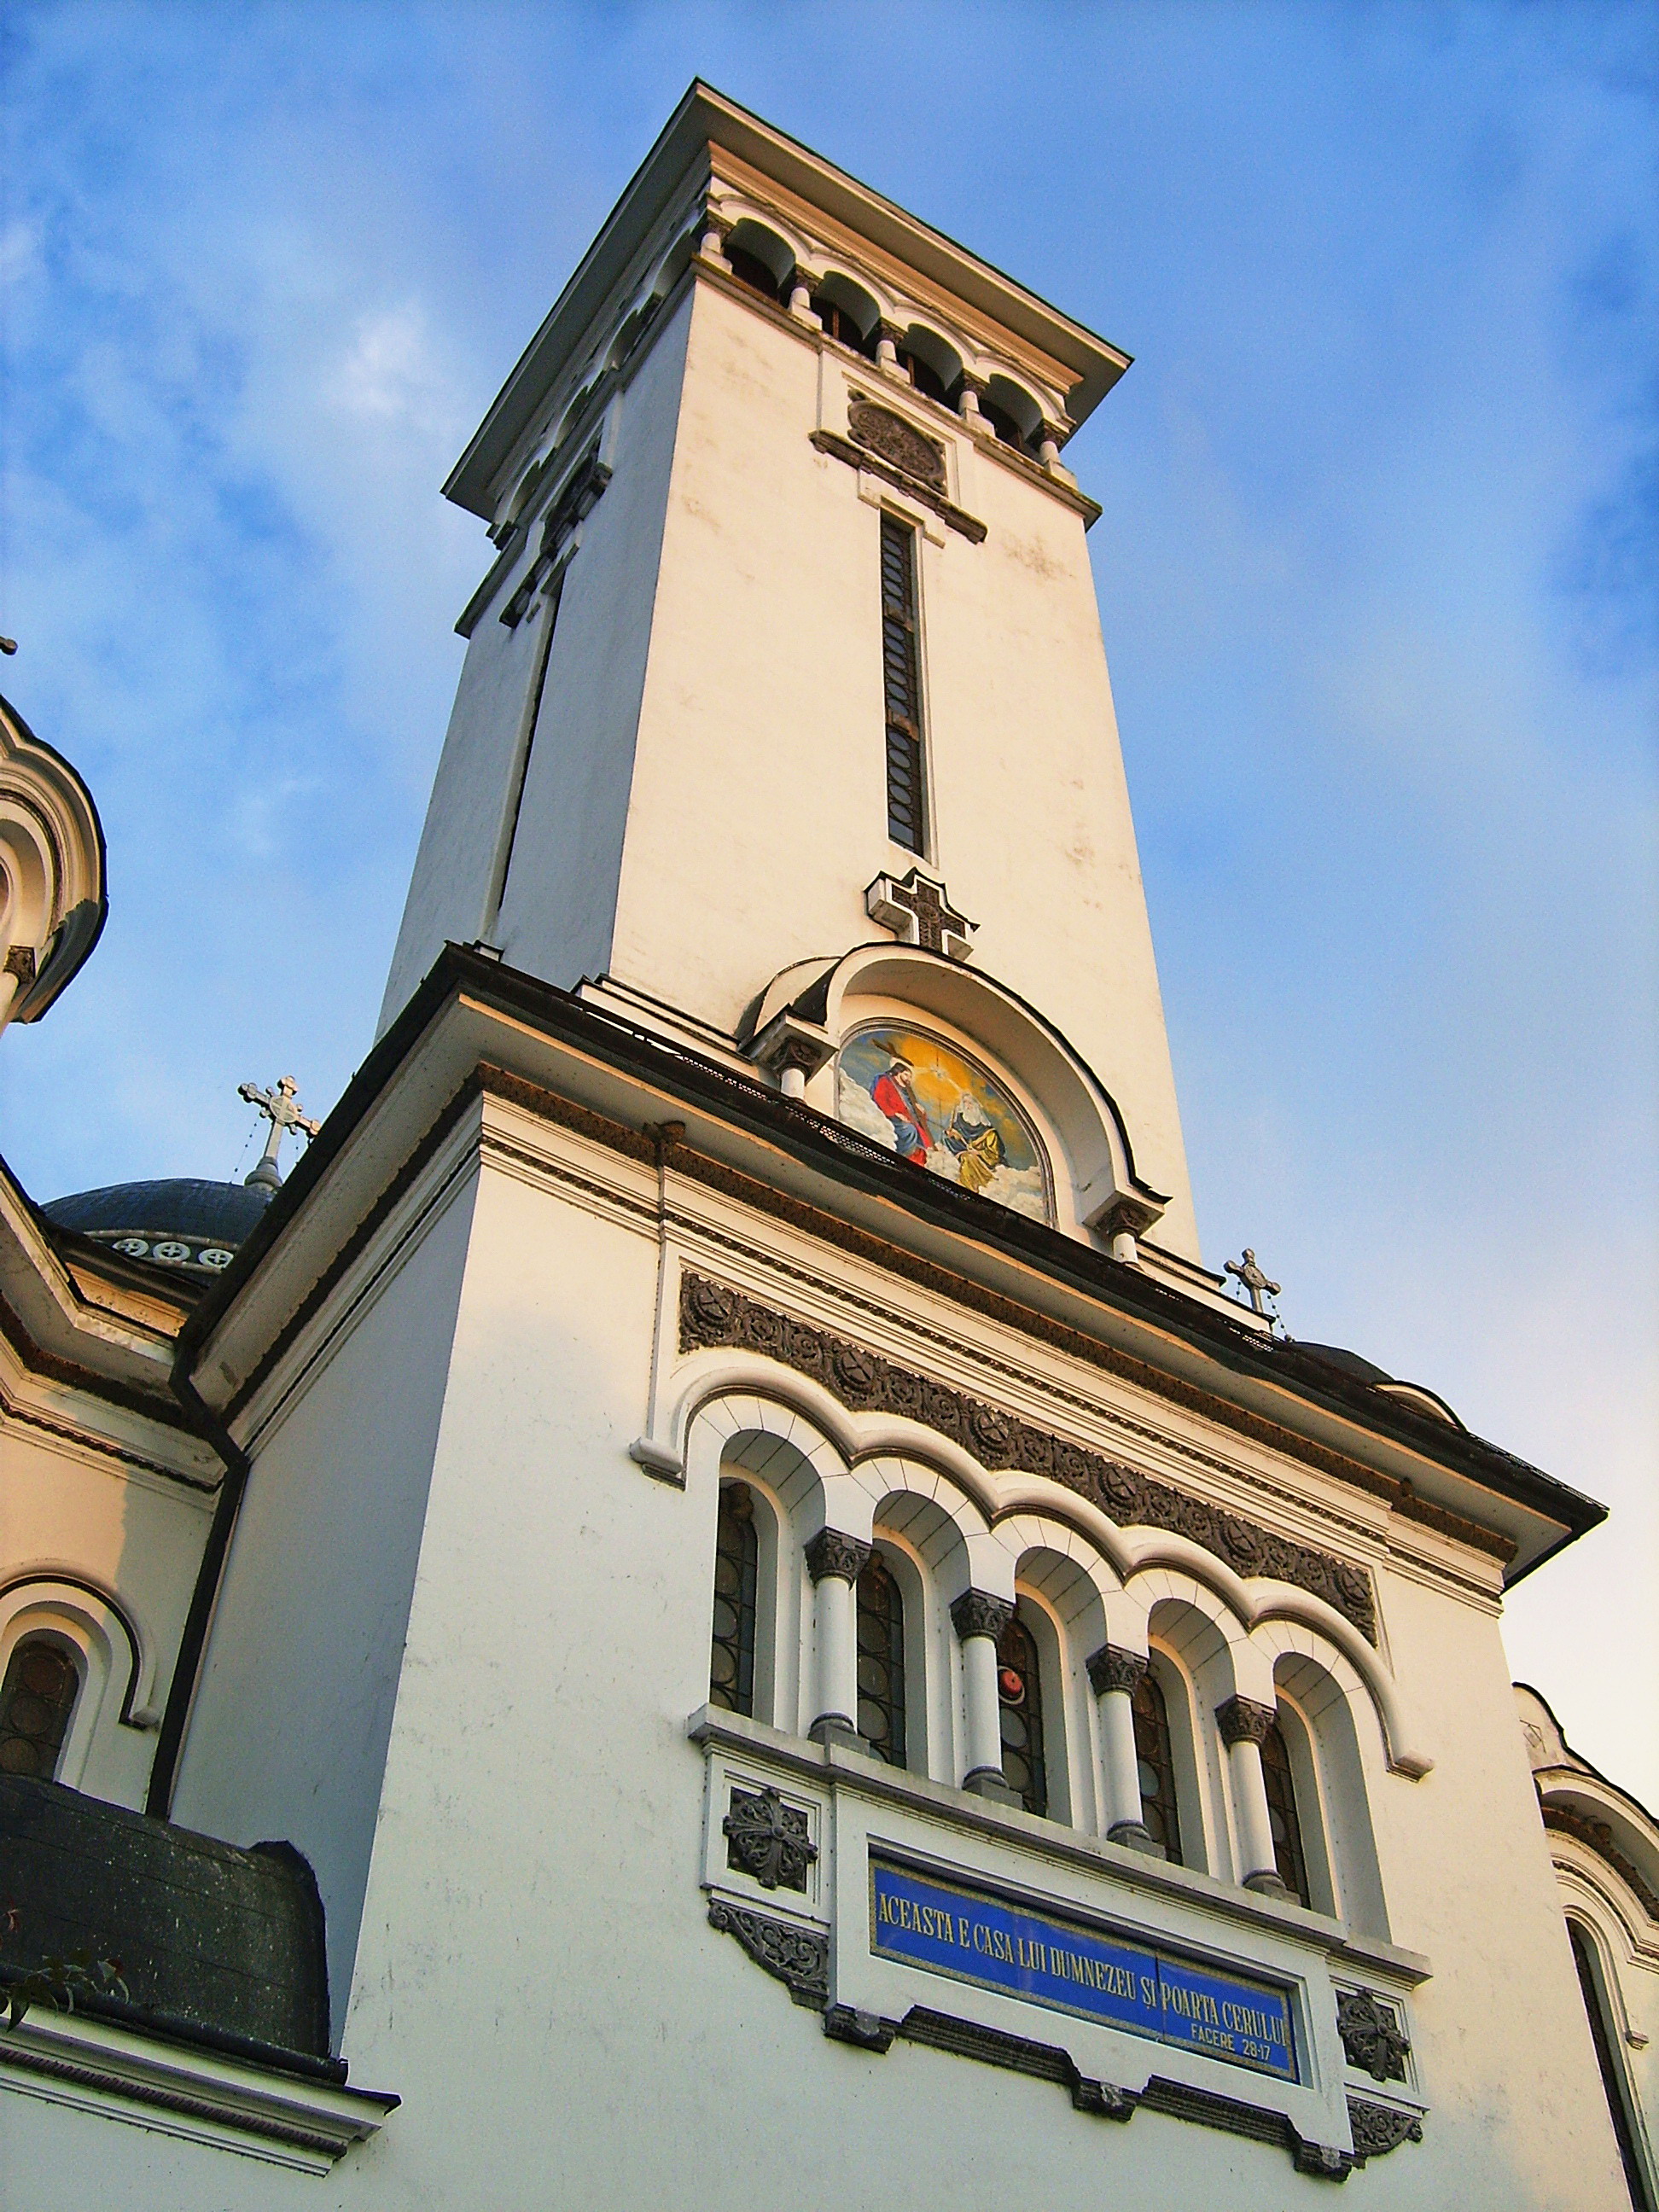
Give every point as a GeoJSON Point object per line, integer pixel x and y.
{"type": "Point", "coordinates": [1231, 2024]}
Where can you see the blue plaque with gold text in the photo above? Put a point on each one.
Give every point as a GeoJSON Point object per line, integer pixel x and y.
{"type": "Point", "coordinates": [934, 1923]}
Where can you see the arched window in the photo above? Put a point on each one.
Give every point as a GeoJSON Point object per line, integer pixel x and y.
{"type": "Point", "coordinates": [1613, 2081]}
{"type": "Point", "coordinates": [848, 315]}
{"type": "Point", "coordinates": [1019, 1693]}
{"type": "Point", "coordinates": [881, 1662]}
{"type": "Point", "coordinates": [36, 1699]}
{"type": "Point", "coordinates": [759, 259]}
{"type": "Point", "coordinates": [1157, 1767]}
{"type": "Point", "coordinates": [1288, 1854]}
{"type": "Point", "coordinates": [737, 1557]}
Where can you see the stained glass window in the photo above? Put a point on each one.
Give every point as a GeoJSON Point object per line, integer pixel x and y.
{"type": "Point", "coordinates": [1019, 1693]}
{"type": "Point", "coordinates": [1282, 1814]}
{"type": "Point", "coordinates": [1157, 1768]}
{"type": "Point", "coordinates": [731, 1650]}
{"type": "Point", "coordinates": [901, 680]}
{"type": "Point", "coordinates": [36, 1700]}
{"type": "Point", "coordinates": [881, 1660]}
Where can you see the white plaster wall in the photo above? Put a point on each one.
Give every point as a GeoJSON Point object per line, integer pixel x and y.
{"type": "Point", "coordinates": [80, 1515]}
{"type": "Point", "coordinates": [759, 813]}
{"type": "Point", "coordinates": [560, 896]}
{"type": "Point", "coordinates": [706, 799]}
{"type": "Point", "coordinates": [1503, 2047]}
{"type": "Point", "coordinates": [287, 1734]}
{"type": "Point", "coordinates": [535, 1976]}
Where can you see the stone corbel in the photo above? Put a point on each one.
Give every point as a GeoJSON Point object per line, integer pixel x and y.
{"type": "Point", "coordinates": [792, 1051]}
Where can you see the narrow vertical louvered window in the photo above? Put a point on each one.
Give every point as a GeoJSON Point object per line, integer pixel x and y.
{"type": "Point", "coordinates": [901, 662]}
{"type": "Point", "coordinates": [731, 1646]}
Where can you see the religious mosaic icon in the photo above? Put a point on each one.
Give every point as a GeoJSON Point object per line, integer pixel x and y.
{"type": "Point", "coordinates": [940, 1111]}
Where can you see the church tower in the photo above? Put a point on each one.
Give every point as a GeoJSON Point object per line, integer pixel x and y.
{"type": "Point", "coordinates": [790, 647]}
{"type": "Point", "coordinates": [708, 1602]}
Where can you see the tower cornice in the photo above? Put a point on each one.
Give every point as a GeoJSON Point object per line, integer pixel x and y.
{"type": "Point", "coordinates": [708, 139]}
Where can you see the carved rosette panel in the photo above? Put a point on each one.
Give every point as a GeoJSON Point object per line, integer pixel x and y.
{"type": "Point", "coordinates": [1379, 2129]}
{"type": "Point", "coordinates": [1112, 1668]}
{"type": "Point", "coordinates": [1373, 2036]}
{"type": "Point", "coordinates": [798, 1957]}
{"type": "Point", "coordinates": [711, 1314]}
{"type": "Point", "coordinates": [768, 1839]}
{"type": "Point", "coordinates": [897, 441]}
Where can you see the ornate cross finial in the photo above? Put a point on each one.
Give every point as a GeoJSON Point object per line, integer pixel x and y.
{"type": "Point", "coordinates": [1253, 1280]}
{"type": "Point", "coordinates": [281, 1107]}
{"type": "Point", "coordinates": [919, 912]}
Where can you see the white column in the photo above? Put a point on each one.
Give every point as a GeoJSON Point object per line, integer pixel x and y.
{"type": "Point", "coordinates": [979, 1619]}
{"type": "Point", "coordinates": [835, 1562]}
{"type": "Point", "coordinates": [1243, 1725]}
{"type": "Point", "coordinates": [1113, 1674]}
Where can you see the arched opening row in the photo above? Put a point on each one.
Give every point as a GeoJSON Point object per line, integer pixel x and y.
{"type": "Point", "coordinates": [761, 261]}
{"type": "Point", "coordinates": [863, 1643]}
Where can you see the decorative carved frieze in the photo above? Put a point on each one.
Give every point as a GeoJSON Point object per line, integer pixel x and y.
{"type": "Point", "coordinates": [897, 441]}
{"type": "Point", "coordinates": [711, 1314]}
{"type": "Point", "coordinates": [1241, 1720]}
{"type": "Point", "coordinates": [798, 1957]}
{"type": "Point", "coordinates": [976, 1612]}
{"type": "Point", "coordinates": [767, 1840]}
{"type": "Point", "coordinates": [1379, 2129]}
{"type": "Point", "coordinates": [831, 1552]}
{"type": "Point", "coordinates": [867, 459]}
{"type": "Point", "coordinates": [1371, 2035]}
{"type": "Point", "coordinates": [1112, 1668]}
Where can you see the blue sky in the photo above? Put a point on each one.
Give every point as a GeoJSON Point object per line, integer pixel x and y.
{"type": "Point", "coordinates": [1377, 571]}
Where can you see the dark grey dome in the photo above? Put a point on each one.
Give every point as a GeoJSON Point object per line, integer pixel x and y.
{"type": "Point", "coordinates": [180, 1224]}
{"type": "Point", "coordinates": [1362, 1370]}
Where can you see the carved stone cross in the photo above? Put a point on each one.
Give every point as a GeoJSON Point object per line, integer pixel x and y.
{"type": "Point", "coordinates": [281, 1107]}
{"type": "Point", "coordinates": [1261, 1290]}
{"type": "Point", "coordinates": [919, 912]}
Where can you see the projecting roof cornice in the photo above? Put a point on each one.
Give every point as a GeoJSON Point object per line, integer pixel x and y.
{"type": "Point", "coordinates": [709, 133]}
{"type": "Point", "coordinates": [475, 1024]}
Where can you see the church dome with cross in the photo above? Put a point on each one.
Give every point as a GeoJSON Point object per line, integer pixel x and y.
{"type": "Point", "coordinates": [180, 1222]}
{"type": "Point", "coordinates": [183, 1223]}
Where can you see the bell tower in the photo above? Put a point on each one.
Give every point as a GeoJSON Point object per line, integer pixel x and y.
{"type": "Point", "coordinates": [790, 646]}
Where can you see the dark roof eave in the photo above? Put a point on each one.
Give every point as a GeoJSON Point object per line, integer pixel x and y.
{"type": "Point", "coordinates": [800, 1130]}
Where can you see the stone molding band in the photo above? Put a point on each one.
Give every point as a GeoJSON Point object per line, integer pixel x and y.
{"type": "Point", "coordinates": [800, 1957]}
{"type": "Point", "coordinates": [712, 1315]}
{"type": "Point", "coordinates": [976, 1612]}
{"type": "Point", "coordinates": [1241, 1720]}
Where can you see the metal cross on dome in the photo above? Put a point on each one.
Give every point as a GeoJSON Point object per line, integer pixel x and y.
{"type": "Point", "coordinates": [281, 1107]}
{"type": "Point", "coordinates": [921, 912]}
{"type": "Point", "coordinates": [1253, 1280]}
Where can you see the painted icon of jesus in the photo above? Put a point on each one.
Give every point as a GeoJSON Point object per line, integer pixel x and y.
{"type": "Point", "coordinates": [895, 1093]}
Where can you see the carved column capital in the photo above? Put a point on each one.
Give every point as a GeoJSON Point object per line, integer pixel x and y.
{"type": "Point", "coordinates": [832, 1554]}
{"type": "Point", "coordinates": [1113, 1668]}
{"type": "Point", "coordinates": [976, 1612]}
{"type": "Point", "coordinates": [1241, 1720]}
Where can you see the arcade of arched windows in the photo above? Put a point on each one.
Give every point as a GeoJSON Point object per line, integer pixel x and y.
{"type": "Point", "coordinates": [875, 1607]}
